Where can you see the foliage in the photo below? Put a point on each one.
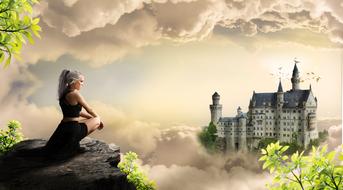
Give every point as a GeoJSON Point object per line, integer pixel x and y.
{"type": "Point", "coordinates": [207, 137]}
{"type": "Point", "coordinates": [10, 137]}
{"type": "Point", "coordinates": [316, 171]}
{"type": "Point", "coordinates": [134, 175]}
{"type": "Point", "coordinates": [16, 22]}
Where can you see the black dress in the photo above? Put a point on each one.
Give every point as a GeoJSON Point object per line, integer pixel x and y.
{"type": "Point", "coordinates": [65, 141]}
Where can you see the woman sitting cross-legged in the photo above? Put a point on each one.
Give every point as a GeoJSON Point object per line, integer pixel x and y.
{"type": "Point", "coordinates": [76, 123]}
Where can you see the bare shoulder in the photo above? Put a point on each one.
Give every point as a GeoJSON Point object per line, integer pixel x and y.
{"type": "Point", "coordinates": [73, 96]}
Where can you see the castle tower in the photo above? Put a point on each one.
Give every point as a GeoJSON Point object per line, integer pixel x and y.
{"type": "Point", "coordinates": [242, 134]}
{"type": "Point", "coordinates": [239, 111]}
{"type": "Point", "coordinates": [216, 108]}
{"type": "Point", "coordinates": [295, 77]}
{"type": "Point", "coordinates": [280, 98]}
{"type": "Point", "coordinates": [279, 105]}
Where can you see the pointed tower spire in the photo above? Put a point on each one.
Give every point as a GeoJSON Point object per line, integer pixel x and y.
{"type": "Point", "coordinates": [295, 76]}
{"type": "Point", "coordinates": [279, 89]}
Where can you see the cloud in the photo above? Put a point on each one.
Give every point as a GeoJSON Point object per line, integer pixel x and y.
{"type": "Point", "coordinates": [180, 162]}
{"type": "Point", "coordinates": [110, 30]}
{"type": "Point", "coordinates": [74, 17]}
{"type": "Point", "coordinates": [335, 137]}
{"type": "Point", "coordinates": [125, 131]}
{"type": "Point", "coordinates": [16, 85]}
{"type": "Point", "coordinates": [191, 178]}
{"type": "Point", "coordinates": [98, 46]}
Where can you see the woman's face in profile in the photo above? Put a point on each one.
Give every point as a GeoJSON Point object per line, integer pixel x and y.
{"type": "Point", "coordinates": [79, 83]}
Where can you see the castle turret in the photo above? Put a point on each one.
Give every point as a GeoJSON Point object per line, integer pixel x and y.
{"type": "Point", "coordinates": [239, 111]}
{"type": "Point", "coordinates": [280, 98]}
{"type": "Point", "coordinates": [216, 108]}
{"type": "Point", "coordinates": [279, 105]}
{"type": "Point", "coordinates": [295, 77]}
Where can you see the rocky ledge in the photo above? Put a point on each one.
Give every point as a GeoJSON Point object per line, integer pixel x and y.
{"type": "Point", "coordinates": [26, 167]}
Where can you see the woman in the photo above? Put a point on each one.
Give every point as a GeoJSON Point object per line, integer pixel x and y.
{"type": "Point", "coordinates": [65, 140]}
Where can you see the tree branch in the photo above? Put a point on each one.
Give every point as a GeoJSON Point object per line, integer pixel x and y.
{"type": "Point", "coordinates": [299, 181]}
{"type": "Point", "coordinates": [14, 30]}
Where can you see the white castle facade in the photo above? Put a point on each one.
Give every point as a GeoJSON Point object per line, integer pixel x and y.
{"type": "Point", "coordinates": [285, 116]}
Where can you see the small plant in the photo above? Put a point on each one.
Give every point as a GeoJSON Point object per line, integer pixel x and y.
{"type": "Point", "coordinates": [316, 171]}
{"type": "Point", "coordinates": [129, 166]}
{"type": "Point", "coordinates": [10, 137]}
{"type": "Point", "coordinates": [207, 137]}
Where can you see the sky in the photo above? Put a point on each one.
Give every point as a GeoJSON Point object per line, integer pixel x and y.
{"type": "Point", "coordinates": [151, 67]}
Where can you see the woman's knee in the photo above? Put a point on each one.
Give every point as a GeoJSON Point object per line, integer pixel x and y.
{"type": "Point", "coordinates": [97, 120]}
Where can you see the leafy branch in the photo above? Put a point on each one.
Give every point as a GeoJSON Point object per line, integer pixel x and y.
{"type": "Point", "coordinates": [16, 26]}
{"type": "Point", "coordinates": [316, 171]}
{"type": "Point", "coordinates": [10, 137]}
{"type": "Point", "coordinates": [129, 166]}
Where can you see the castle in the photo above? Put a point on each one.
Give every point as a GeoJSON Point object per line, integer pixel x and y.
{"type": "Point", "coordinates": [285, 116]}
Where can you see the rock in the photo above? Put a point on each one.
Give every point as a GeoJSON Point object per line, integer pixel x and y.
{"type": "Point", "coordinates": [95, 167]}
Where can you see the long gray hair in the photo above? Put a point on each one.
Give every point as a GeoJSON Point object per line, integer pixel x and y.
{"type": "Point", "coordinates": [67, 78]}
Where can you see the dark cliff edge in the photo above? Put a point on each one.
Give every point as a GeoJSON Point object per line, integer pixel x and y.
{"type": "Point", "coordinates": [26, 167]}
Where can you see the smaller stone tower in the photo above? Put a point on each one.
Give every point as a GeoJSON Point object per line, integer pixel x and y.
{"type": "Point", "coordinates": [280, 98]}
{"type": "Point", "coordinates": [216, 108]}
{"type": "Point", "coordinates": [239, 111]}
{"type": "Point", "coordinates": [295, 77]}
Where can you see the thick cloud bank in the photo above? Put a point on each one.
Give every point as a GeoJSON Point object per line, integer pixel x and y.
{"type": "Point", "coordinates": [104, 31]}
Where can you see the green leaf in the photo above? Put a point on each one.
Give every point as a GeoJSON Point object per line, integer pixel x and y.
{"type": "Point", "coordinates": [266, 164]}
{"type": "Point", "coordinates": [35, 21]}
{"type": "Point", "coordinates": [8, 61]}
{"type": "Point", "coordinates": [263, 158]}
{"type": "Point", "coordinates": [283, 149]}
{"type": "Point", "coordinates": [331, 156]}
{"type": "Point", "coordinates": [2, 56]}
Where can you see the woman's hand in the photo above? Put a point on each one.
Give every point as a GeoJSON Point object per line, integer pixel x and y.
{"type": "Point", "coordinates": [101, 126]}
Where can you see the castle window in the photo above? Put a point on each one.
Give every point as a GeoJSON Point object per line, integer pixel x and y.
{"type": "Point", "coordinates": [272, 111]}
{"type": "Point", "coordinates": [284, 111]}
{"type": "Point", "coordinates": [284, 123]}
{"type": "Point", "coordinates": [267, 111]}
{"type": "Point", "coordinates": [284, 135]}
{"type": "Point", "coordinates": [294, 117]}
{"type": "Point", "coordinates": [274, 134]}
{"type": "Point", "coordinates": [287, 135]}
{"type": "Point", "coordinates": [299, 111]}
{"type": "Point", "coordinates": [299, 130]}
{"type": "Point", "coordinates": [294, 111]}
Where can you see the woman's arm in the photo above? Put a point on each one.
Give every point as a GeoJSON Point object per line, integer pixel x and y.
{"type": "Point", "coordinates": [84, 104]}
{"type": "Point", "coordinates": [85, 115]}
